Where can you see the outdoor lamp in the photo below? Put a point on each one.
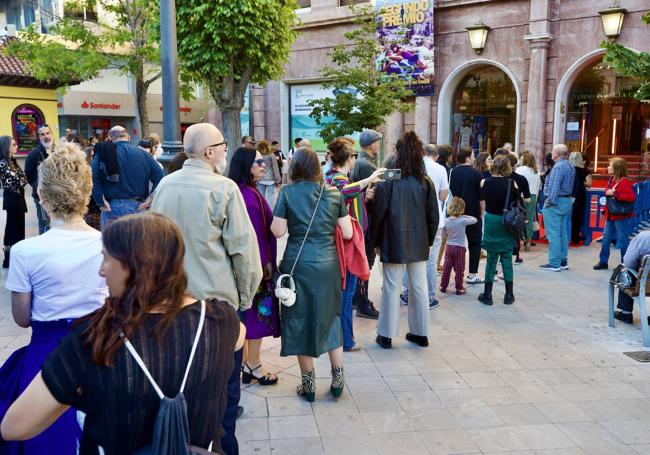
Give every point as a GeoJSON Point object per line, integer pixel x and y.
{"type": "Point", "coordinates": [478, 36]}
{"type": "Point", "coordinates": [613, 20]}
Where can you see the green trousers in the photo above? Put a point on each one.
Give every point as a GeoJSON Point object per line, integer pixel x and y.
{"type": "Point", "coordinates": [491, 265]}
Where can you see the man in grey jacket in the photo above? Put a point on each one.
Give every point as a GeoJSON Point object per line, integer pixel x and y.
{"type": "Point", "coordinates": [639, 247]}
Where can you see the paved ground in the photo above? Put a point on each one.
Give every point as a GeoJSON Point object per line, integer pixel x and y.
{"type": "Point", "coordinates": [545, 376]}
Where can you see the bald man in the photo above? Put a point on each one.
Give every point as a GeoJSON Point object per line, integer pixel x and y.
{"type": "Point", "coordinates": [558, 205]}
{"type": "Point", "coordinates": [222, 258]}
{"type": "Point", "coordinates": [124, 177]}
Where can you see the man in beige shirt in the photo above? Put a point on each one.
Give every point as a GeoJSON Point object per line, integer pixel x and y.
{"type": "Point", "coordinates": [222, 258]}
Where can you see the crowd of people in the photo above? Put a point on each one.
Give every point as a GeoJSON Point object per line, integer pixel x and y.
{"type": "Point", "coordinates": [185, 271]}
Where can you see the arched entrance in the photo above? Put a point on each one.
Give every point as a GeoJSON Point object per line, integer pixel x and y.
{"type": "Point", "coordinates": [597, 114]}
{"type": "Point", "coordinates": [479, 107]}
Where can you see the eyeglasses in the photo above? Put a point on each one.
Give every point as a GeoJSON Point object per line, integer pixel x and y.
{"type": "Point", "coordinates": [259, 162]}
{"type": "Point", "coordinates": [354, 155]}
{"type": "Point", "coordinates": [220, 143]}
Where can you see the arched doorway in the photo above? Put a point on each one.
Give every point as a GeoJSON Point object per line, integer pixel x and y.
{"type": "Point", "coordinates": [479, 107]}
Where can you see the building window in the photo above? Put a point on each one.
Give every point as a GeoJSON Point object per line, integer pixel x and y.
{"type": "Point", "coordinates": [484, 110]}
{"type": "Point", "coordinates": [25, 121]}
{"type": "Point", "coordinates": [604, 118]}
{"type": "Point", "coordinates": [304, 3]}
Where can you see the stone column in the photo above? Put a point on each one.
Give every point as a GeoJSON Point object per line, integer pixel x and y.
{"type": "Point", "coordinates": [423, 118]}
{"type": "Point", "coordinates": [536, 101]}
{"type": "Point", "coordinates": [392, 130]}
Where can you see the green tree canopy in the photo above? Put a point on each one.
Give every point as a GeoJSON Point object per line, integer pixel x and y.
{"type": "Point", "coordinates": [76, 50]}
{"type": "Point", "coordinates": [227, 44]}
{"type": "Point", "coordinates": [377, 94]}
{"type": "Point", "coordinates": [629, 63]}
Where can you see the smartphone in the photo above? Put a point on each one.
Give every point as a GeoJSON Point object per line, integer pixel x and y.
{"type": "Point", "coordinates": [392, 174]}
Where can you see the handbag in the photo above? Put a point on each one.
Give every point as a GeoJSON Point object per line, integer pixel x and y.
{"type": "Point", "coordinates": [514, 215]}
{"type": "Point", "coordinates": [287, 293]}
{"type": "Point", "coordinates": [619, 208]}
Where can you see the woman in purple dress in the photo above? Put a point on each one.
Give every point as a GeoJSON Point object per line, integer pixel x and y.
{"type": "Point", "coordinates": [263, 318]}
{"type": "Point", "coordinates": [53, 281]}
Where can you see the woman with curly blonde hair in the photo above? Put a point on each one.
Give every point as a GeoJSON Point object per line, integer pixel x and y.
{"type": "Point", "coordinates": [53, 281]}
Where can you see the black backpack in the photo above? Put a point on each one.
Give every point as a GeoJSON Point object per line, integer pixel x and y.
{"type": "Point", "coordinates": [514, 214]}
{"type": "Point", "coordinates": [171, 433]}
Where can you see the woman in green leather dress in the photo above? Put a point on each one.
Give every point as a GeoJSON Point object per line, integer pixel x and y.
{"type": "Point", "coordinates": [312, 326]}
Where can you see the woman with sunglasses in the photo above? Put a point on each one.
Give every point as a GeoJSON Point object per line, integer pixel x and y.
{"type": "Point", "coordinates": [343, 157]}
{"type": "Point", "coordinates": [263, 318]}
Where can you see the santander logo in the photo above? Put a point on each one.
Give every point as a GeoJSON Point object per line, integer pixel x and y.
{"type": "Point", "coordinates": [103, 106]}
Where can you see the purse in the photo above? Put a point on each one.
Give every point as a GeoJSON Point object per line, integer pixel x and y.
{"type": "Point", "coordinates": [287, 293]}
{"type": "Point", "coordinates": [514, 215]}
{"type": "Point", "coordinates": [619, 208]}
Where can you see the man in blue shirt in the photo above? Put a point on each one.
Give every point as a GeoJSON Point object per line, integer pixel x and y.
{"type": "Point", "coordinates": [138, 175]}
{"type": "Point", "coordinates": [557, 209]}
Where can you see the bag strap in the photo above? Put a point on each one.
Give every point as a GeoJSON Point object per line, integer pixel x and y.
{"type": "Point", "coordinates": [505, 206]}
{"type": "Point", "coordinates": [313, 215]}
{"type": "Point", "coordinates": [144, 368]}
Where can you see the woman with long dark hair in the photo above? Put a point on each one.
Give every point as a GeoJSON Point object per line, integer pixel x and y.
{"type": "Point", "coordinates": [263, 318]}
{"type": "Point", "coordinates": [405, 213]}
{"type": "Point", "coordinates": [309, 212]}
{"type": "Point", "coordinates": [13, 181]}
{"type": "Point", "coordinates": [53, 282]}
{"type": "Point", "coordinates": [483, 163]}
{"type": "Point", "coordinates": [92, 371]}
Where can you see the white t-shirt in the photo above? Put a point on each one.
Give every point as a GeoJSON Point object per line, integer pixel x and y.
{"type": "Point", "coordinates": [534, 180]}
{"type": "Point", "coordinates": [60, 269]}
{"type": "Point", "coordinates": [438, 174]}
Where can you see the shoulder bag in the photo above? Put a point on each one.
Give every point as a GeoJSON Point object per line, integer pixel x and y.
{"type": "Point", "coordinates": [514, 215]}
{"type": "Point", "coordinates": [287, 294]}
{"type": "Point", "coordinates": [619, 208]}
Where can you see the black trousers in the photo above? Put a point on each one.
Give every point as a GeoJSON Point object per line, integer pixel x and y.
{"type": "Point", "coordinates": [474, 235]}
{"type": "Point", "coordinates": [229, 443]}
{"type": "Point", "coordinates": [360, 298]}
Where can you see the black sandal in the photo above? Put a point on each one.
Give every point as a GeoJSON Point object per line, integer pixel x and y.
{"type": "Point", "coordinates": [248, 376]}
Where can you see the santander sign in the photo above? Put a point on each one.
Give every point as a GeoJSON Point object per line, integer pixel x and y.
{"type": "Point", "coordinates": [103, 106]}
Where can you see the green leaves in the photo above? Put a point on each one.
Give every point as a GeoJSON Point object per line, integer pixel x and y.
{"type": "Point", "coordinates": [379, 95]}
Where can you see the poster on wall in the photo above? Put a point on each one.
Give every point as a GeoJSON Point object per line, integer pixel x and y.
{"type": "Point", "coordinates": [304, 126]}
{"type": "Point", "coordinates": [405, 34]}
{"type": "Point", "coordinates": [26, 122]}
{"type": "Point", "coordinates": [244, 116]}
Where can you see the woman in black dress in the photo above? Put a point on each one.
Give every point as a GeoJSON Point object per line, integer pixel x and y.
{"type": "Point", "coordinates": [13, 197]}
{"type": "Point", "coordinates": [581, 183]}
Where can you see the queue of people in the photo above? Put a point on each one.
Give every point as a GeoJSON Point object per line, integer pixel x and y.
{"type": "Point", "coordinates": [185, 272]}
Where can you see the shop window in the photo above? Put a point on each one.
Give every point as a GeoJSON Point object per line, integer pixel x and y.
{"type": "Point", "coordinates": [25, 121]}
{"type": "Point", "coordinates": [484, 110]}
{"type": "Point", "coordinates": [604, 118]}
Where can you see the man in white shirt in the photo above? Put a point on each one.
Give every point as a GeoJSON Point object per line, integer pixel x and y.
{"type": "Point", "coordinates": [438, 175]}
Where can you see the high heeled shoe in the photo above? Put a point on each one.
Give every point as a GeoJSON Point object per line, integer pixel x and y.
{"type": "Point", "coordinates": [307, 388]}
{"type": "Point", "coordinates": [248, 376]}
{"type": "Point", "coordinates": [338, 382]}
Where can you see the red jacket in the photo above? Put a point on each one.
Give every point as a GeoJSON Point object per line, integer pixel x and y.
{"type": "Point", "coordinates": [623, 192]}
{"type": "Point", "coordinates": [352, 253]}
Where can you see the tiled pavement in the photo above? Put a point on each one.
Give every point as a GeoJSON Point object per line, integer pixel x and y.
{"type": "Point", "coordinates": [545, 376]}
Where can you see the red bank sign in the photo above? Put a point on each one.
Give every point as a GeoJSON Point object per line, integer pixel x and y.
{"type": "Point", "coordinates": [104, 106]}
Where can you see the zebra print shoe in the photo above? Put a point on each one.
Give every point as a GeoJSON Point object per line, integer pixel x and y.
{"type": "Point", "coordinates": [307, 388]}
{"type": "Point", "coordinates": [338, 382]}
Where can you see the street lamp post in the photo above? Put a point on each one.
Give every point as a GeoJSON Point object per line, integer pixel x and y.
{"type": "Point", "coordinates": [169, 61]}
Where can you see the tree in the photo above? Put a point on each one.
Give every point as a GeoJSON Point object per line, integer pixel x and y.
{"type": "Point", "coordinates": [629, 63]}
{"type": "Point", "coordinates": [227, 44]}
{"type": "Point", "coordinates": [363, 95]}
{"type": "Point", "coordinates": [76, 50]}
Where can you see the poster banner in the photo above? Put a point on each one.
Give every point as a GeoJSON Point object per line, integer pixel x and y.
{"type": "Point", "coordinates": [244, 116]}
{"type": "Point", "coordinates": [26, 122]}
{"type": "Point", "coordinates": [302, 125]}
{"type": "Point", "coordinates": [405, 34]}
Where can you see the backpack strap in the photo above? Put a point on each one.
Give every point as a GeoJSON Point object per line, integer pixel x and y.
{"type": "Point", "coordinates": [141, 364]}
{"type": "Point", "coordinates": [196, 343]}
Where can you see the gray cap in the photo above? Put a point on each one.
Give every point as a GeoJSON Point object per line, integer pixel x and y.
{"type": "Point", "coordinates": [368, 137]}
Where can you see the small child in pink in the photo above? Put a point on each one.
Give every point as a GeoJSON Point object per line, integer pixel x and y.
{"type": "Point", "coordinates": [455, 252]}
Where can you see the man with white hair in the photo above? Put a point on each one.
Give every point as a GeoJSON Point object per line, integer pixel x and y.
{"type": "Point", "coordinates": [222, 258]}
{"type": "Point", "coordinates": [558, 190]}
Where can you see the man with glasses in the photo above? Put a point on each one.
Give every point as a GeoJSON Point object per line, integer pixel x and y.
{"type": "Point", "coordinates": [123, 182]}
{"type": "Point", "coordinates": [248, 141]}
{"type": "Point", "coordinates": [222, 258]}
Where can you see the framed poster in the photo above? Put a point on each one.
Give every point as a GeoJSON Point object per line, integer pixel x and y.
{"type": "Point", "coordinates": [25, 121]}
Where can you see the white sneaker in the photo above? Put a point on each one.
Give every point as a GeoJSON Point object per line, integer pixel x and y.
{"type": "Point", "coordinates": [474, 280]}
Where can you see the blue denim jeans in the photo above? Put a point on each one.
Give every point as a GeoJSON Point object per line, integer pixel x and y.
{"type": "Point", "coordinates": [43, 218]}
{"type": "Point", "coordinates": [556, 221]}
{"type": "Point", "coordinates": [618, 230]}
{"type": "Point", "coordinates": [229, 443]}
{"type": "Point", "coordinates": [346, 311]}
{"type": "Point", "coordinates": [119, 208]}
{"type": "Point", "coordinates": [269, 192]}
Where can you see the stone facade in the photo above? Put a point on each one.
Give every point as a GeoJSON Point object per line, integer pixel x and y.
{"type": "Point", "coordinates": [542, 45]}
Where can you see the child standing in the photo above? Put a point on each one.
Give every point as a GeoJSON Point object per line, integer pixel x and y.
{"type": "Point", "coordinates": [455, 253]}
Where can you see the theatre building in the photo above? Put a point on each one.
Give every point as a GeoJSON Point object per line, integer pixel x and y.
{"type": "Point", "coordinates": [529, 72]}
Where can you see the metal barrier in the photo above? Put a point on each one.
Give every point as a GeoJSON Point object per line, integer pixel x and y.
{"type": "Point", "coordinates": [595, 204]}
